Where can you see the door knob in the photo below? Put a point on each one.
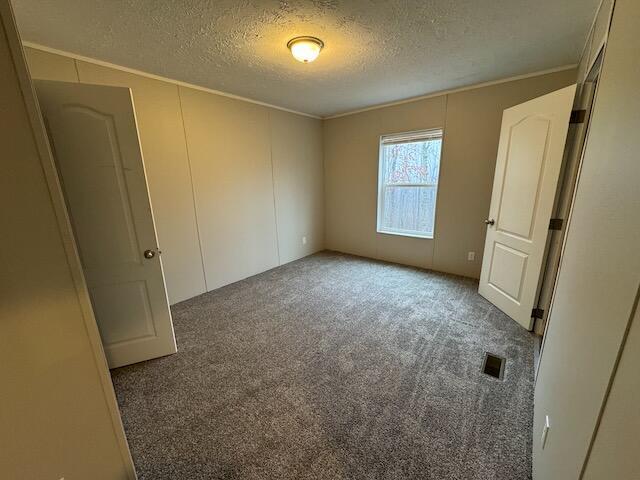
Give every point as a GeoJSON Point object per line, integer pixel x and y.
{"type": "Point", "coordinates": [489, 222]}
{"type": "Point", "coordinates": [149, 254]}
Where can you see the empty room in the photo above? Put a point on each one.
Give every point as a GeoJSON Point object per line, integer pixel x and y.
{"type": "Point", "coordinates": [320, 239]}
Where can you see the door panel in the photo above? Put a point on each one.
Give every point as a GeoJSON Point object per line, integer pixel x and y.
{"type": "Point", "coordinates": [527, 141]}
{"type": "Point", "coordinates": [528, 164]}
{"type": "Point", "coordinates": [94, 137]}
{"type": "Point", "coordinates": [507, 270]}
{"type": "Point", "coordinates": [93, 174]}
{"type": "Point", "coordinates": [123, 312]}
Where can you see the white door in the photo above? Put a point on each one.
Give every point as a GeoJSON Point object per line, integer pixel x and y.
{"type": "Point", "coordinates": [530, 154]}
{"type": "Point", "coordinates": [94, 137]}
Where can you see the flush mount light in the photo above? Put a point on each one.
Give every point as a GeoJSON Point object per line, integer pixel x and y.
{"type": "Point", "coordinates": [305, 49]}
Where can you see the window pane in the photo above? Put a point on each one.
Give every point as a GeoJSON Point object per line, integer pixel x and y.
{"type": "Point", "coordinates": [409, 210]}
{"type": "Point", "coordinates": [413, 162]}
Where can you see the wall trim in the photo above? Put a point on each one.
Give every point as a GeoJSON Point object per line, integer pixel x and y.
{"type": "Point", "coordinates": [585, 47]}
{"type": "Point", "coordinates": [82, 58]}
{"type": "Point", "coordinates": [75, 56]}
{"type": "Point", "coordinates": [439, 93]}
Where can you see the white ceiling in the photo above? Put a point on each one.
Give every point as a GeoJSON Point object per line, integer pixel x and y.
{"type": "Point", "coordinates": [375, 51]}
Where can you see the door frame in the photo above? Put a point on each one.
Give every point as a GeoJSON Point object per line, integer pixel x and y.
{"type": "Point", "coordinates": [64, 224]}
{"type": "Point", "coordinates": [566, 189]}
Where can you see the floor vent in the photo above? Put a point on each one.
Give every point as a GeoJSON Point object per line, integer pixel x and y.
{"type": "Point", "coordinates": [493, 365]}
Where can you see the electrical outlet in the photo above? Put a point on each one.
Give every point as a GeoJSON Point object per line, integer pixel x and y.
{"type": "Point", "coordinates": [471, 256]}
{"type": "Point", "coordinates": [545, 431]}
{"type": "Point", "coordinates": [304, 240]}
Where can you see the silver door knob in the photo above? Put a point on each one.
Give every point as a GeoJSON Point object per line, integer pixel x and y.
{"type": "Point", "coordinates": [489, 222]}
{"type": "Point", "coordinates": [149, 254]}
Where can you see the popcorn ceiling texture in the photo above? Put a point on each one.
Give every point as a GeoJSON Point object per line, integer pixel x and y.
{"type": "Point", "coordinates": [376, 50]}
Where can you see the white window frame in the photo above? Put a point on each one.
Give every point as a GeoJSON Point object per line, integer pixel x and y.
{"type": "Point", "coordinates": [406, 137]}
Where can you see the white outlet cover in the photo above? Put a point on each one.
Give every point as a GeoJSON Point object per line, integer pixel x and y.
{"type": "Point", "coordinates": [471, 256]}
{"type": "Point", "coordinates": [304, 240]}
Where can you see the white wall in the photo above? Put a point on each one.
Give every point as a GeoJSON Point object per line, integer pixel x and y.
{"type": "Point", "coordinates": [597, 287]}
{"type": "Point", "coordinates": [58, 413]}
{"type": "Point", "coordinates": [234, 185]}
{"type": "Point", "coordinates": [471, 120]}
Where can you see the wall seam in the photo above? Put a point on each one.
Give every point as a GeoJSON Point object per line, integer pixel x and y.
{"type": "Point", "coordinates": [325, 217]}
{"type": "Point", "coordinates": [193, 190]}
{"type": "Point", "coordinates": [612, 378]}
{"type": "Point", "coordinates": [273, 186]}
{"type": "Point", "coordinates": [438, 190]}
{"type": "Point", "coordinates": [75, 66]}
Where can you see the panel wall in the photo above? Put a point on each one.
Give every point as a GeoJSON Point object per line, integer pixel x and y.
{"type": "Point", "coordinates": [471, 121]}
{"type": "Point", "coordinates": [296, 148]}
{"type": "Point", "coordinates": [230, 153]}
{"type": "Point", "coordinates": [265, 162]}
{"type": "Point", "coordinates": [351, 180]}
{"type": "Point", "coordinates": [47, 66]}
{"type": "Point", "coordinates": [58, 414]}
{"type": "Point", "coordinates": [158, 112]}
{"type": "Point", "coordinates": [597, 284]}
{"type": "Point", "coordinates": [616, 446]}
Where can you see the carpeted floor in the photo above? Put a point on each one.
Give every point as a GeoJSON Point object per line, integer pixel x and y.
{"type": "Point", "coordinates": [334, 367]}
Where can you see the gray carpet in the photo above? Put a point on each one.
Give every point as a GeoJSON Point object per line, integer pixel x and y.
{"type": "Point", "coordinates": [334, 367]}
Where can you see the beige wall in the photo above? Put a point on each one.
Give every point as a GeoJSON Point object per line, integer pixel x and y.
{"type": "Point", "coordinates": [58, 413]}
{"type": "Point", "coordinates": [161, 131]}
{"type": "Point", "coordinates": [597, 288]}
{"type": "Point", "coordinates": [471, 121]}
{"type": "Point", "coordinates": [617, 443]}
{"type": "Point", "coordinates": [229, 148]}
{"type": "Point", "coordinates": [274, 158]}
{"type": "Point", "coordinates": [296, 149]}
{"type": "Point", "coordinates": [234, 185]}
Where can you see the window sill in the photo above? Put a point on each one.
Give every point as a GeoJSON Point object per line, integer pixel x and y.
{"type": "Point", "coordinates": [411, 235]}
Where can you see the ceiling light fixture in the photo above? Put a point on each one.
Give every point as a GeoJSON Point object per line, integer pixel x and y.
{"type": "Point", "coordinates": [305, 49]}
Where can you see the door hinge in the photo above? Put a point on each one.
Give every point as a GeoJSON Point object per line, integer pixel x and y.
{"type": "Point", "coordinates": [555, 224]}
{"type": "Point", "coordinates": [537, 313]}
{"type": "Point", "coordinates": [577, 116]}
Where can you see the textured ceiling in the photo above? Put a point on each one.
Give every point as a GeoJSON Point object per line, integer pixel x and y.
{"type": "Point", "coordinates": [375, 51]}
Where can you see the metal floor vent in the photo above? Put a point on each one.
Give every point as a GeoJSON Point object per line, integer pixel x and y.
{"type": "Point", "coordinates": [493, 365]}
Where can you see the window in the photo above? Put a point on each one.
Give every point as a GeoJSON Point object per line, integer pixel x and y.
{"type": "Point", "coordinates": [408, 182]}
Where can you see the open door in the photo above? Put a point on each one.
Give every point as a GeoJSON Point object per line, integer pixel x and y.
{"type": "Point", "coordinates": [530, 155]}
{"type": "Point", "coordinates": [94, 138]}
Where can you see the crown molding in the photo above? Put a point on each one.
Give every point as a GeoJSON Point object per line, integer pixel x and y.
{"type": "Point", "coordinates": [454, 90]}
{"type": "Point", "coordinates": [82, 58]}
